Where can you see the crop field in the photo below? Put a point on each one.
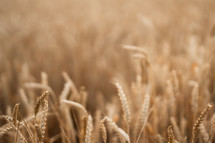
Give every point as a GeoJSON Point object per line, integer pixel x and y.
{"type": "Point", "coordinates": [107, 71]}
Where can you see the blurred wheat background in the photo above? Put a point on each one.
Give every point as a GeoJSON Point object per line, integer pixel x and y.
{"type": "Point", "coordinates": [113, 71]}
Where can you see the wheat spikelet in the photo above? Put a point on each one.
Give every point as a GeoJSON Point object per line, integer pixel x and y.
{"type": "Point", "coordinates": [103, 130]}
{"type": "Point", "coordinates": [170, 134]}
{"type": "Point", "coordinates": [142, 119]}
{"type": "Point", "coordinates": [76, 105]}
{"type": "Point", "coordinates": [39, 102]}
{"type": "Point", "coordinates": [121, 133]}
{"type": "Point", "coordinates": [89, 129]}
{"type": "Point", "coordinates": [145, 109]}
{"type": "Point", "coordinates": [124, 103]}
{"type": "Point", "coordinates": [10, 128]}
{"type": "Point", "coordinates": [10, 119]}
{"type": "Point", "coordinates": [15, 113]}
{"type": "Point", "coordinates": [38, 132]}
{"type": "Point", "coordinates": [176, 128]}
{"type": "Point", "coordinates": [199, 121]}
{"type": "Point", "coordinates": [44, 118]}
{"type": "Point", "coordinates": [6, 130]}
{"type": "Point", "coordinates": [7, 118]}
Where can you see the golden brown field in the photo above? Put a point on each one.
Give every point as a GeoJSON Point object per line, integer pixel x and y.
{"type": "Point", "coordinates": [107, 71]}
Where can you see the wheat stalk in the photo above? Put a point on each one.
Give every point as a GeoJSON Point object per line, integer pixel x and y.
{"type": "Point", "coordinates": [124, 137]}
{"type": "Point", "coordinates": [76, 105]}
{"type": "Point", "coordinates": [204, 133]}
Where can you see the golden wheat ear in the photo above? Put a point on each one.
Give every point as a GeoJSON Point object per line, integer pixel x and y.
{"type": "Point", "coordinates": [40, 129]}
{"type": "Point", "coordinates": [170, 134]}
{"type": "Point", "coordinates": [39, 102]}
{"type": "Point", "coordinates": [199, 121]}
{"type": "Point", "coordinates": [89, 129]}
{"type": "Point", "coordinates": [103, 130]}
{"type": "Point", "coordinates": [124, 104]}
{"type": "Point", "coordinates": [15, 113]}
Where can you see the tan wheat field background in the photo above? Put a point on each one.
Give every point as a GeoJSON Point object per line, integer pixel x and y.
{"type": "Point", "coordinates": [107, 71]}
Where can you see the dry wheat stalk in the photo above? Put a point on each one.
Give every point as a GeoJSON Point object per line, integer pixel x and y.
{"type": "Point", "coordinates": [83, 96]}
{"type": "Point", "coordinates": [37, 86]}
{"type": "Point", "coordinates": [76, 105]}
{"type": "Point", "coordinates": [25, 100]}
{"type": "Point", "coordinates": [44, 78]}
{"type": "Point", "coordinates": [22, 138]}
{"type": "Point", "coordinates": [144, 71]}
{"type": "Point", "coordinates": [194, 98]}
{"type": "Point", "coordinates": [135, 49]}
{"type": "Point", "coordinates": [199, 121]}
{"type": "Point", "coordinates": [73, 87]}
{"type": "Point", "coordinates": [96, 127]}
{"type": "Point", "coordinates": [65, 91]}
{"type": "Point", "coordinates": [89, 129]}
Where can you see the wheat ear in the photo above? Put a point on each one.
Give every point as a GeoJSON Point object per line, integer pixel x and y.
{"type": "Point", "coordinates": [38, 132]}
{"type": "Point", "coordinates": [44, 118]}
{"type": "Point", "coordinates": [6, 130]}
{"type": "Point", "coordinates": [89, 129]}
{"type": "Point", "coordinates": [124, 104]}
{"type": "Point", "coordinates": [199, 121]}
{"type": "Point", "coordinates": [39, 102]}
{"type": "Point", "coordinates": [15, 113]}
{"type": "Point", "coordinates": [170, 134]}
{"type": "Point", "coordinates": [103, 130]}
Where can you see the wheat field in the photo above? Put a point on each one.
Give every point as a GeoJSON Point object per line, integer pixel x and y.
{"type": "Point", "coordinates": [107, 71]}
